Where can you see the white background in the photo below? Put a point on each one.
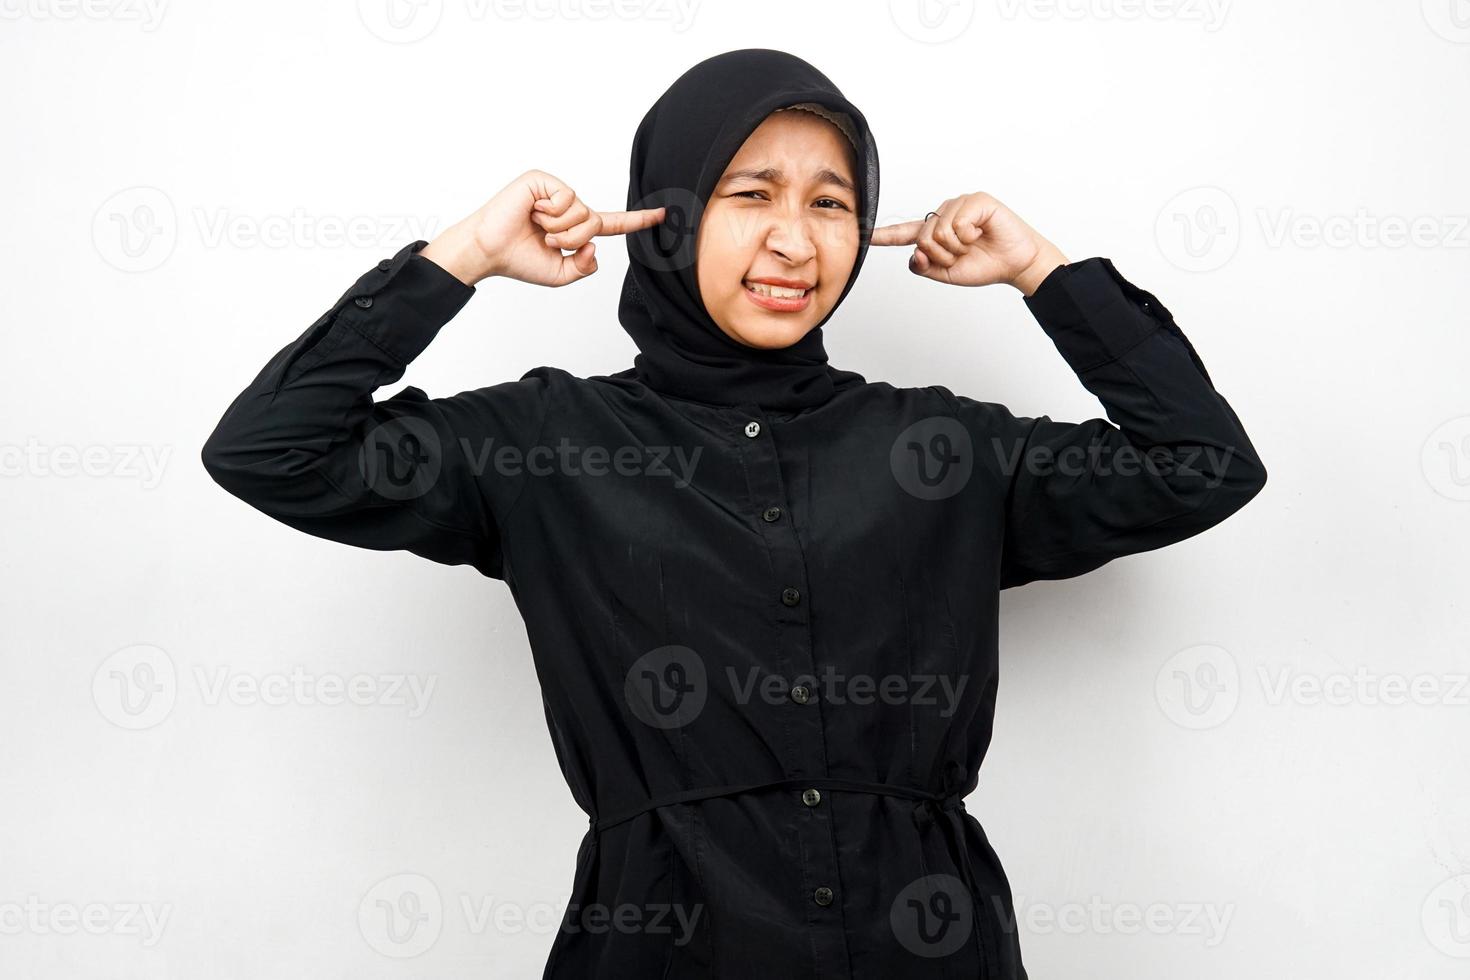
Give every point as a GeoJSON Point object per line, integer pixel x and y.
{"type": "Point", "coordinates": [1244, 755]}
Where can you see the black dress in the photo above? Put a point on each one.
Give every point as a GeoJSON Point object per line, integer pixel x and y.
{"type": "Point", "coordinates": [765, 638]}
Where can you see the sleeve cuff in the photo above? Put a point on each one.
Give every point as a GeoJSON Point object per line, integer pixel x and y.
{"type": "Point", "coordinates": [1093, 314]}
{"type": "Point", "coordinates": [403, 302]}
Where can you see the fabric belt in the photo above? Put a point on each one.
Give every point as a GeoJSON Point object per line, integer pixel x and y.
{"type": "Point", "coordinates": [942, 801]}
{"type": "Point", "coordinates": [929, 806]}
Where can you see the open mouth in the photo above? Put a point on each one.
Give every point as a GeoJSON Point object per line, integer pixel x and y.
{"type": "Point", "coordinates": [784, 299]}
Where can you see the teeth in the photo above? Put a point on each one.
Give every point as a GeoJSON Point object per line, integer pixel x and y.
{"type": "Point", "coordinates": [780, 292]}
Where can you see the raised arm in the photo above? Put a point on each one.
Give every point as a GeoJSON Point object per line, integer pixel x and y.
{"type": "Point", "coordinates": [1173, 461]}
{"type": "Point", "coordinates": [306, 443]}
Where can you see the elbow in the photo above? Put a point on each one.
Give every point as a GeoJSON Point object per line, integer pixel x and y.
{"type": "Point", "coordinates": [1239, 483]}
{"type": "Point", "coordinates": [218, 459]}
{"type": "Point", "coordinates": [232, 463]}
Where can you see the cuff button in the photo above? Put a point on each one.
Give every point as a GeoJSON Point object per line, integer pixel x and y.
{"type": "Point", "coordinates": [364, 301]}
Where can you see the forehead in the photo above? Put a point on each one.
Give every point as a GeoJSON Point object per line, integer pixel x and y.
{"type": "Point", "coordinates": [795, 140]}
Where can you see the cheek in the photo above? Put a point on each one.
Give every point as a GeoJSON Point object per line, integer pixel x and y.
{"type": "Point", "coordinates": [836, 267]}
{"type": "Point", "coordinates": [721, 264]}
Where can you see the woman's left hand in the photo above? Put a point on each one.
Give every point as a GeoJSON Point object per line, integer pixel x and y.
{"type": "Point", "coordinates": [975, 240]}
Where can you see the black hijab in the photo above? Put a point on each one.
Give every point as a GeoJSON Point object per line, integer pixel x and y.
{"type": "Point", "coordinates": [683, 145]}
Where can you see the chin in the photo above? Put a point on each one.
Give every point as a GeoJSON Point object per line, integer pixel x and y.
{"type": "Point", "coordinates": [770, 336]}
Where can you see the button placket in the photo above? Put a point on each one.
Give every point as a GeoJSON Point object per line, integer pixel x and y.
{"type": "Point", "coordinates": [788, 592]}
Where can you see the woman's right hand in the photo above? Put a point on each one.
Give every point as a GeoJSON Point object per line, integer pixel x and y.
{"type": "Point", "coordinates": [521, 233]}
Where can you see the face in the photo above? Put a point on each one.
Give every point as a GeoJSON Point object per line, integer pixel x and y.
{"type": "Point", "coordinates": [784, 211]}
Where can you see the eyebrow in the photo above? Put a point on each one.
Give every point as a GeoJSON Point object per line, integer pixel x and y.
{"type": "Point", "coordinates": [774, 175]}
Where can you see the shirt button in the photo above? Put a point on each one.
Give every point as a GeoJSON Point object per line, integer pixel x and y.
{"type": "Point", "coordinates": [752, 429]}
{"type": "Point", "coordinates": [364, 301]}
{"type": "Point", "coordinates": [801, 694]}
{"type": "Point", "coordinates": [823, 895]}
{"type": "Point", "coordinates": [772, 514]}
{"type": "Point", "coordinates": [811, 797]}
{"type": "Point", "coordinates": [790, 596]}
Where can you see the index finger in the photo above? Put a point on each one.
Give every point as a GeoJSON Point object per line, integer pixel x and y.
{"type": "Point", "coordinates": [903, 233]}
{"type": "Point", "coordinates": [622, 222]}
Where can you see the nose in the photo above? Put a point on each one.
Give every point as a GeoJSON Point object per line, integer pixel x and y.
{"type": "Point", "coordinates": [790, 238]}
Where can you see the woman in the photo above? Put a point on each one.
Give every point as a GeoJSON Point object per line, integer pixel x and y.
{"type": "Point", "coordinates": [760, 591]}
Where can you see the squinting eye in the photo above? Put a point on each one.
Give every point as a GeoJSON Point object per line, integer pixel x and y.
{"type": "Point", "coordinates": [832, 200]}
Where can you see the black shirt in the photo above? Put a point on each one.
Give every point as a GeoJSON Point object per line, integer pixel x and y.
{"type": "Point", "coordinates": [765, 640]}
